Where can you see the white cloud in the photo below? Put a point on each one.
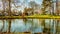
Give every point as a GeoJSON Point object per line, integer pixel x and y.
{"type": "Point", "coordinates": [31, 0]}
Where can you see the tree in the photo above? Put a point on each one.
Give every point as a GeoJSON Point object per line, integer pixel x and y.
{"type": "Point", "coordinates": [9, 15]}
{"type": "Point", "coordinates": [27, 12]}
{"type": "Point", "coordinates": [34, 5]}
{"type": "Point", "coordinates": [58, 20]}
{"type": "Point", "coordinates": [15, 7]}
{"type": "Point", "coordinates": [5, 7]}
{"type": "Point", "coordinates": [45, 4]}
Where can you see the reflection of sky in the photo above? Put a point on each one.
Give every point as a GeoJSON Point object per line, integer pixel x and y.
{"type": "Point", "coordinates": [5, 24]}
{"type": "Point", "coordinates": [18, 25]}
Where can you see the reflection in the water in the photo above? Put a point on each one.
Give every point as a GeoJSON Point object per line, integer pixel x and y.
{"type": "Point", "coordinates": [3, 25]}
{"type": "Point", "coordinates": [18, 25]}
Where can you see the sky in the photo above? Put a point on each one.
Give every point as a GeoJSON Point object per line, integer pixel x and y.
{"type": "Point", "coordinates": [23, 3]}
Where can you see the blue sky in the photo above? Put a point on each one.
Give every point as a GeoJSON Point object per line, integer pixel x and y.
{"type": "Point", "coordinates": [37, 1]}
{"type": "Point", "coordinates": [20, 2]}
{"type": "Point", "coordinates": [25, 4]}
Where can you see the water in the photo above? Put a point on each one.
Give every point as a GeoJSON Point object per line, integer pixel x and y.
{"type": "Point", "coordinates": [18, 25]}
{"type": "Point", "coordinates": [31, 25]}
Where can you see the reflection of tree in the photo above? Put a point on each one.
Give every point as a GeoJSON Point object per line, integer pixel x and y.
{"type": "Point", "coordinates": [58, 20]}
{"type": "Point", "coordinates": [5, 9]}
{"type": "Point", "coordinates": [27, 12]}
{"type": "Point", "coordinates": [3, 3]}
{"type": "Point", "coordinates": [9, 15]}
{"type": "Point", "coordinates": [45, 4]}
{"type": "Point", "coordinates": [35, 7]}
{"type": "Point", "coordinates": [2, 26]}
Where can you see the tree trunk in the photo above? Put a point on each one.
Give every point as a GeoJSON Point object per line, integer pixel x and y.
{"type": "Point", "coordinates": [9, 15]}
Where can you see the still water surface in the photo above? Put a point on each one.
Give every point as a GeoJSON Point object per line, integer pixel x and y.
{"type": "Point", "coordinates": [18, 25]}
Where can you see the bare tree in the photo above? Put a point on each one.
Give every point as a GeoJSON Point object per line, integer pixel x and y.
{"type": "Point", "coordinates": [45, 4]}
{"type": "Point", "coordinates": [34, 5]}
{"type": "Point", "coordinates": [9, 15]}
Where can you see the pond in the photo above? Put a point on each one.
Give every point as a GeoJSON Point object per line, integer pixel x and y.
{"type": "Point", "coordinates": [31, 25]}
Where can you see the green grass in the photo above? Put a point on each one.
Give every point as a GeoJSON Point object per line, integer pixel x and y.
{"type": "Point", "coordinates": [32, 16]}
